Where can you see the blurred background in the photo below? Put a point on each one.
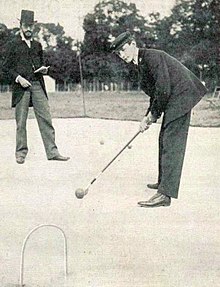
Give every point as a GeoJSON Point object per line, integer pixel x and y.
{"type": "Point", "coordinates": [76, 36]}
{"type": "Point", "coordinates": [187, 29]}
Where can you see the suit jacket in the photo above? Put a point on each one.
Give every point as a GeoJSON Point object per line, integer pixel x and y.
{"type": "Point", "coordinates": [172, 88]}
{"type": "Point", "coordinates": [22, 60]}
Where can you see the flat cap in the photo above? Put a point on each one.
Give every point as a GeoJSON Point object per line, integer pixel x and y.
{"type": "Point", "coordinates": [120, 41]}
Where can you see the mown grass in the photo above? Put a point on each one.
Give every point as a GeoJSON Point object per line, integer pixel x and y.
{"type": "Point", "coordinates": [112, 105]}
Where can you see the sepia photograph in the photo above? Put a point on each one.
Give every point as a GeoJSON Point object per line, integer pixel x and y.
{"type": "Point", "coordinates": [109, 143]}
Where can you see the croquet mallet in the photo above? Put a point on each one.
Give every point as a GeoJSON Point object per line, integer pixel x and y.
{"type": "Point", "coordinates": [80, 193]}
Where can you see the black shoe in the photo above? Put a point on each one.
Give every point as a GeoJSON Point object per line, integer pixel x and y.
{"type": "Point", "coordinates": [60, 158]}
{"type": "Point", "coordinates": [161, 200]}
{"type": "Point", "coordinates": [155, 196]}
{"type": "Point", "coordinates": [20, 159]}
{"type": "Point", "coordinates": [153, 185]}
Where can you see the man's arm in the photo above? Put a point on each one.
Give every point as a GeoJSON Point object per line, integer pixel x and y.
{"type": "Point", "coordinates": [160, 73]}
{"type": "Point", "coordinates": [9, 67]}
{"type": "Point", "coordinates": [153, 108]}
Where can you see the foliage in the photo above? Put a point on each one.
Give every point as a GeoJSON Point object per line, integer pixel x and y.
{"type": "Point", "coordinates": [4, 37]}
{"type": "Point", "coordinates": [110, 18]}
{"type": "Point", "coordinates": [64, 64]}
{"type": "Point", "coordinates": [48, 33]}
{"type": "Point", "coordinates": [191, 33]}
{"type": "Point", "coordinates": [59, 53]}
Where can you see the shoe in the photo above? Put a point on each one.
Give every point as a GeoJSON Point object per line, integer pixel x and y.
{"type": "Point", "coordinates": [60, 158]}
{"type": "Point", "coordinates": [20, 160]}
{"type": "Point", "coordinates": [161, 200]}
{"type": "Point", "coordinates": [153, 185]}
{"type": "Point", "coordinates": [155, 196]}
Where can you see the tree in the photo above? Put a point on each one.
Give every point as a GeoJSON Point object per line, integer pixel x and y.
{"type": "Point", "coordinates": [215, 32]}
{"type": "Point", "coordinates": [59, 52]}
{"type": "Point", "coordinates": [48, 33]}
{"type": "Point", "coordinates": [4, 37]}
{"type": "Point", "coordinates": [189, 34]}
{"type": "Point", "coordinates": [63, 61]}
{"type": "Point", "coordinates": [110, 18]}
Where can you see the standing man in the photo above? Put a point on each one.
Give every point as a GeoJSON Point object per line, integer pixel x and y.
{"type": "Point", "coordinates": [173, 92]}
{"type": "Point", "coordinates": [24, 66]}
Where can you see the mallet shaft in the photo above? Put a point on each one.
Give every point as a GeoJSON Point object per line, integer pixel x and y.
{"type": "Point", "coordinates": [95, 178]}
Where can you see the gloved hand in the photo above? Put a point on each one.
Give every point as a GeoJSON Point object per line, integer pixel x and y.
{"type": "Point", "coordinates": [146, 122]}
{"type": "Point", "coordinates": [23, 82]}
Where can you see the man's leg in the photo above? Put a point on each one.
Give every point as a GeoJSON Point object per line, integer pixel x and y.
{"type": "Point", "coordinates": [172, 145]}
{"type": "Point", "coordinates": [155, 185]}
{"type": "Point", "coordinates": [42, 113]}
{"type": "Point", "coordinates": [21, 113]}
{"type": "Point", "coordinates": [172, 152]}
{"type": "Point", "coordinates": [160, 152]}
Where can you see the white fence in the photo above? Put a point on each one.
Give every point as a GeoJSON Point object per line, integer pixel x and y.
{"type": "Point", "coordinates": [5, 88]}
{"type": "Point", "coordinates": [94, 86]}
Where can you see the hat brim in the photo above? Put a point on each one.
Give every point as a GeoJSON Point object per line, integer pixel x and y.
{"type": "Point", "coordinates": [30, 23]}
{"type": "Point", "coordinates": [115, 47]}
{"type": "Point", "coordinates": [119, 47]}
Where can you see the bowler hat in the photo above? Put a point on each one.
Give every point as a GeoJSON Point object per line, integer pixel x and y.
{"type": "Point", "coordinates": [27, 17]}
{"type": "Point", "coordinates": [120, 41]}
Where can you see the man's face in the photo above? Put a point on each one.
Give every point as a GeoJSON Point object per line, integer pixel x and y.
{"type": "Point", "coordinates": [27, 30]}
{"type": "Point", "coordinates": [127, 52]}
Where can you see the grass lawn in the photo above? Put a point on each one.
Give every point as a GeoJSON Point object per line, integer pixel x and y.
{"type": "Point", "coordinates": [112, 105]}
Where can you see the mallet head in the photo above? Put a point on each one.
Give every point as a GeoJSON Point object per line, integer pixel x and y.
{"type": "Point", "coordinates": [80, 193]}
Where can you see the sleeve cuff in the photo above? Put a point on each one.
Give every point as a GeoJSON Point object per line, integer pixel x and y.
{"type": "Point", "coordinates": [17, 78]}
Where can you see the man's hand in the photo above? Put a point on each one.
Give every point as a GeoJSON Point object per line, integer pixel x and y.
{"type": "Point", "coordinates": [43, 70]}
{"type": "Point", "coordinates": [146, 122]}
{"type": "Point", "coordinates": [23, 82]}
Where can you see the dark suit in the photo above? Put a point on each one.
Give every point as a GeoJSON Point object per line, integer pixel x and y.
{"type": "Point", "coordinates": [173, 91]}
{"type": "Point", "coordinates": [22, 60]}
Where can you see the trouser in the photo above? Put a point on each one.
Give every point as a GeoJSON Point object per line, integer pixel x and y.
{"type": "Point", "coordinates": [42, 113]}
{"type": "Point", "coordinates": [172, 146]}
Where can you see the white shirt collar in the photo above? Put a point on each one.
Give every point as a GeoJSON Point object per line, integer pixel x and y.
{"type": "Point", "coordinates": [135, 60]}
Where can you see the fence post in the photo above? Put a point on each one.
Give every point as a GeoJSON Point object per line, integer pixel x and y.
{"type": "Point", "coordinates": [82, 83]}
